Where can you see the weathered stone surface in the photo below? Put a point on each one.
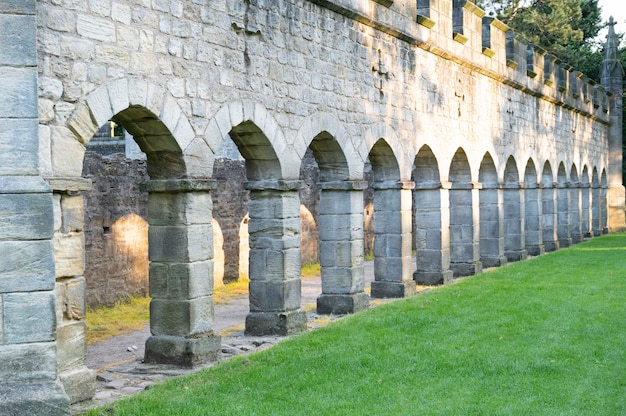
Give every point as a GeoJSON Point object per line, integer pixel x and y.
{"type": "Point", "coordinates": [79, 384]}
{"type": "Point", "coordinates": [342, 304]}
{"type": "Point", "coordinates": [275, 323]}
{"type": "Point", "coordinates": [33, 398]}
{"type": "Point", "coordinates": [26, 362]}
{"type": "Point", "coordinates": [181, 317]}
{"type": "Point", "coordinates": [26, 216]}
{"type": "Point", "coordinates": [185, 352]}
{"type": "Point", "coordinates": [69, 256]}
{"type": "Point", "coordinates": [18, 34]}
{"type": "Point", "coordinates": [17, 6]}
{"type": "Point", "coordinates": [29, 317]}
{"type": "Point", "coordinates": [26, 266]}
{"type": "Point", "coordinates": [71, 345]}
{"type": "Point", "coordinates": [18, 93]}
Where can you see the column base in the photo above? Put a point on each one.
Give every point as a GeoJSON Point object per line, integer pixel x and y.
{"type": "Point", "coordinates": [466, 269]}
{"type": "Point", "coordinates": [488, 262]}
{"type": "Point", "coordinates": [551, 246]}
{"type": "Point", "coordinates": [393, 289]}
{"type": "Point", "coordinates": [576, 238]}
{"type": "Point", "coordinates": [36, 398]}
{"type": "Point", "coordinates": [341, 304]}
{"type": "Point", "coordinates": [79, 383]}
{"type": "Point", "coordinates": [433, 278]}
{"type": "Point", "coordinates": [181, 351]}
{"type": "Point", "coordinates": [516, 255]}
{"type": "Point", "coordinates": [537, 250]}
{"type": "Point", "coordinates": [276, 323]}
{"type": "Point", "coordinates": [565, 242]}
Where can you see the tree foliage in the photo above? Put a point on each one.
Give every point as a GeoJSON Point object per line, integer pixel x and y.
{"type": "Point", "coordinates": [566, 28]}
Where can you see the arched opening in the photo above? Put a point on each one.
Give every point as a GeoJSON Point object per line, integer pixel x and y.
{"type": "Point", "coordinates": [430, 223]}
{"type": "Point", "coordinates": [549, 209]}
{"type": "Point", "coordinates": [563, 210]}
{"type": "Point", "coordinates": [575, 206]}
{"type": "Point", "coordinates": [491, 216]}
{"type": "Point", "coordinates": [532, 211]}
{"type": "Point", "coordinates": [585, 204]}
{"type": "Point", "coordinates": [513, 198]}
{"type": "Point", "coordinates": [464, 249]}
{"type": "Point", "coordinates": [392, 233]}
{"type": "Point", "coordinates": [340, 230]}
{"type": "Point", "coordinates": [274, 237]}
{"type": "Point", "coordinates": [596, 220]}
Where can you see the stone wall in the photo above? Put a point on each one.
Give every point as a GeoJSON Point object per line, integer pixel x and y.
{"type": "Point", "coordinates": [116, 231]}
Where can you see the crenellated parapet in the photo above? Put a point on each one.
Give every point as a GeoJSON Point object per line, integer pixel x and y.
{"type": "Point", "coordinates": [460, 31]}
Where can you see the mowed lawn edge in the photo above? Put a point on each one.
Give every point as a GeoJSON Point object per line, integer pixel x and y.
{"type": "Point", "coordinates": [546, 336]}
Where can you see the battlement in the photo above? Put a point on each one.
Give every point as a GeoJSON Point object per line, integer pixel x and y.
{"type": "Point", "coordinates": [460, 31]}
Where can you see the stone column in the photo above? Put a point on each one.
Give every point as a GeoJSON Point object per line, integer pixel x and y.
{"type": "Point", "coordinates": [585, 213]}
{"type": "Point", "coordinates": [596, 230]}
{"type": "Point", "coordinates": [28, 357]}
{"type": "Point", "coordinates": [465, 230]}
{"type": "Point", "coordinates": [563, 215]}
{"type": "Point", "coordinates": [432, 234]}
{"type": "Point", "coordinates": [341, 248]}
{"type": "Point", "coordinates": [393, 265]}
{"type": "Point", "coordinates": [274, 229]}
{"type": "Point", "coordinates": [574, 216]}
{"type": "Point", "coordinates": [604, 209]}
{"type": "Point", "coordinates": [180, 240]}
{"type": "Point", "coordinates": [549, 218]}
{"type": "Point", "coordinates": [492, 228]}
{"type": "Point", "coordinates": [514, 224]}
{"type": "Point", "coordinates": [69, 252]}
{"type": "Point", "coordinates": [533, 220]}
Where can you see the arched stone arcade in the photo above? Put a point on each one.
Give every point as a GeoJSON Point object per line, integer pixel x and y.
{"type": "Point", "coordinates": [474, 162]}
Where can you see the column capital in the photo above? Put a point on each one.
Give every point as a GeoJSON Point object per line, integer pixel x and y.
{"type": "Point", "coordinates": [70, 185]}
{"type": "Point", "coordinates": [343, 185]}
{"type": "Point", "coordinates": [179, 185]}
{"type": "Point", "coordinates": [275, 185]}
{"type": "Point", "coordinates": [401, 184]}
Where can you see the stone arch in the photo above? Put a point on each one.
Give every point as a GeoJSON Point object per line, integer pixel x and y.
{"type": "Point", "coordinates": [394, 151]}
{"type": "Point", "coordinates": [392, 225]}
{"type": "Point", "coordinates": [575, 206]}
{"type": "Point", "coordinates": [156, 122]}
{"type": "Point", "coordinates": [257, 133]}
{"type": "Point", "coordinates": [431, 220]}
{"type": "Point", "coordinates": [150, 114]}
{"type": "Point", "coordinates": [340, 223]}
{"type": "Point", "coordinates": [491, 215]}
{"type": "Point", "coordinates": [549, 208]}
{"type": "Point", "coordinates": [513, 204]}
{"type": "Point", "coordinates": [272, 171]}
{"type": "Point", "coordinates": [328, 125]}
{"type": "Point", "coordinates": [464, 232]}
{"type": "Point", "coordinates": [596, 220]}
{"type": "Point", "coordinates": [532, 211]}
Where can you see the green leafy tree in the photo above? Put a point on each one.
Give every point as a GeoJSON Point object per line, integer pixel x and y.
{"type": "Point", "coordinates": [566, 28]}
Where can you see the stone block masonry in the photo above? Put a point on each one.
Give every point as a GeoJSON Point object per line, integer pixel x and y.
{"type": "Point", "coordinates": [452, 110]}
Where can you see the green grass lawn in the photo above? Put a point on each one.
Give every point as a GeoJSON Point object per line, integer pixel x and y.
{"type": "Point", "coordinates": [542, 337]}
